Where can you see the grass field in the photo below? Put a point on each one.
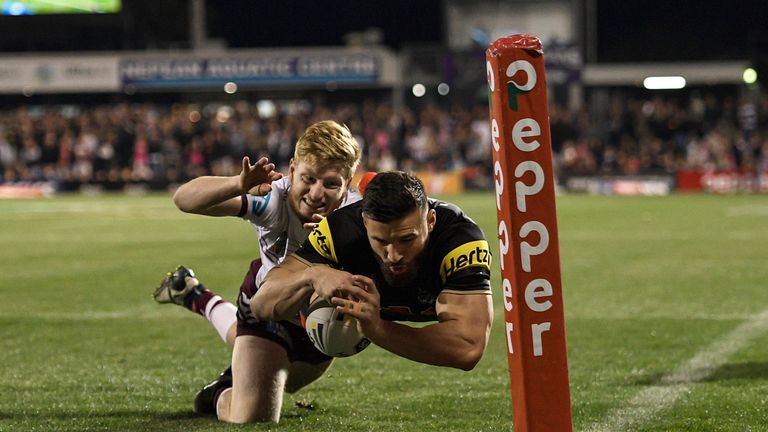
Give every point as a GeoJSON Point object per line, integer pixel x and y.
{"type": "Point", "coordinates": [665, 302]}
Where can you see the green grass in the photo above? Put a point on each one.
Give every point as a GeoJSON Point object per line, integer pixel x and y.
{"type": "Point", "coordinates": [648, 283]}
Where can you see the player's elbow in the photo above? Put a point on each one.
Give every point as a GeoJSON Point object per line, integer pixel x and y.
{"type": "Point", "coordinates": [469, 358]}
{"type": "Point", "coordinates": [257, 311]}
{"type": "Point", "coordinates": [477, 342]}
{"type": "Point", "coordinates": [182, 203]}
{"type": "Point", "coordinates": [266, 309]}
{"type": "Point", "coordinates": [261, 312]}
{"type": "Point", "coordinates": [472, 350]}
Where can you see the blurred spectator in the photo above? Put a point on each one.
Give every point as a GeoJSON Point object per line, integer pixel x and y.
{"type": "Point", "coordinates": [31, 158]}
{"type": "Point", "coordinates": [166, 144]}
{"type": "Point", "coordinates": [7, 156]}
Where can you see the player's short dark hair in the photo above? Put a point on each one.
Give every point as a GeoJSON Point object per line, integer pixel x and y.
{"type": "Point", "coordinates": [392, 195]}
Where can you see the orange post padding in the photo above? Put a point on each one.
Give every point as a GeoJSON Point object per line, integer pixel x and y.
{"type": "Point", "coordinates": [527, 232]}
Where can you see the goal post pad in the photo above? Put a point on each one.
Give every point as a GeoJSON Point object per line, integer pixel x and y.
{"type": "Point", "coordinates": [527, 232]}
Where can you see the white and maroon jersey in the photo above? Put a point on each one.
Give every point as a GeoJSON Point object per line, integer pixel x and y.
{"type": "Point", "coordinates": [280, 231]}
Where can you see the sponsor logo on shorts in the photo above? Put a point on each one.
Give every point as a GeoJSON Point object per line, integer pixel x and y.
{"type": "Point", "coordinates": [472, 254]}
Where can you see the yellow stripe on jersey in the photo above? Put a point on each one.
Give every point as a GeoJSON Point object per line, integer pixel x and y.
{"type": "Point", "coordinates": [321, 240]}
{"type": "Point", "coordinates": [472, 254]}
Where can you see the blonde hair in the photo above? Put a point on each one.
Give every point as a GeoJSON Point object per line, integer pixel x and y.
{"type": "Point", "coordinates": [328, 142]}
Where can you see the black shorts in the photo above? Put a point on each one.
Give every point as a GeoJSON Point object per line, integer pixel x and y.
{"type": "Point", "coordinates": [289, 335]}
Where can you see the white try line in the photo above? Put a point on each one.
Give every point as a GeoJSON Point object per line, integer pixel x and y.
{"type": "Point", "coordinates": [654, 399]}
{"type": "Point", "coordinates": [90, 315]}
{"type": "Point", "coordinates": [749, 210]}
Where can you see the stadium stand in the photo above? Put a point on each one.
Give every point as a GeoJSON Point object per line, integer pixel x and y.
{"type": "Point", "coordinates": [151, 126]}
{"type": "Point", "coordinates": [158, 145]}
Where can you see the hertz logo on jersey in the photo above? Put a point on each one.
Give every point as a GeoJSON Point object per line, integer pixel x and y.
{"type": "Point", "coordinates": [472, 254]}
{"type": "Point", "coordinates": [321, 240]}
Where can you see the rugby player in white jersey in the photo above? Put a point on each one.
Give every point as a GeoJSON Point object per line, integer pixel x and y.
{"type": "Point", "coordinates": [269, 357]}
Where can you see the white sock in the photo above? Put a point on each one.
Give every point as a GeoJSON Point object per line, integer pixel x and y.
{"type": "Point", "coordinates": [222, 314]}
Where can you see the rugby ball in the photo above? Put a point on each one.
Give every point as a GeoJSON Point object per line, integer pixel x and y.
{"type": "Point", "coordinates": [332, 332]}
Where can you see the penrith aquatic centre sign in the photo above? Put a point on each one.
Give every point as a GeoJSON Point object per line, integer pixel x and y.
{"type": "Point", "coordinates": [272, 68]}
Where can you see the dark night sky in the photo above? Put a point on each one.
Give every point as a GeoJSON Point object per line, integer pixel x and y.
{"type": "Point", "coordinates": [628, 30]}
{"type": "Point", "coordinates": [303, 23]}
{"type": "Point", "coordinates": [670, 30]}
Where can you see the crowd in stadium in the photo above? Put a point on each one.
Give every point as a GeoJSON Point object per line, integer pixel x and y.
{"type": "Point", "coordinates": [161, 144]}
{"type": "Point", "coordinates": [664, 135]}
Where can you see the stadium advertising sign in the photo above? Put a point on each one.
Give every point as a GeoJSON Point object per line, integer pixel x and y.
{"type": "Point", "coordinates": [271, 69]}
{"type": "Point", "coordinates": [622, 185]}
{"type": "Point", "coordinates": [53, 74]}
{"type": "Point", "coordinates": [527, 231]}
{"type": "Point", "coordinates": [563, 62]}
{"type": "Point", "coordinates": [722, 182]}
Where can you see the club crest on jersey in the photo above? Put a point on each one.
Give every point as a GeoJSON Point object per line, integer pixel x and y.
{"type": "Point", "coordinates": [321, 240]}
{"type": "Point", "coordinates": [472, 254]}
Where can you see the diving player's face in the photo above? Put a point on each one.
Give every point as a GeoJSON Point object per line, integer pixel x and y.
{"type": "Point", "coordinates": [399, 244]}
{"type": "Point", "coordinates": [316, 190]}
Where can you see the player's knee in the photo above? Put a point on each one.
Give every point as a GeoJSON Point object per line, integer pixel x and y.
{"type": "Point", "coordinates": [255, 415]}
{"type": "Point", "coordinates": [255, 418]}
{"type": "Point", "coordinates": [251, 407]}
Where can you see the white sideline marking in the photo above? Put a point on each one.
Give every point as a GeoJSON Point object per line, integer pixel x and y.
{"type": "Point", "coordinates": [750, 210]}
{"type": "Point", "coordinates": [90, 315]}
{"type": "Point", "coordinates": [657, 398]}
{"type": "Point", "coordinates": [634, 315]}
{"type": "Point", "coordinates": [86, 207]}
{"type": "Point", "coordinates": [653, 315]}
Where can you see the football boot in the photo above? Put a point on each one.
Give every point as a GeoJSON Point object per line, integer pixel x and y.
{"type": "Point", "coordinates": [205, 399]}
{"type": "Point", "coordinates": [179, 287]}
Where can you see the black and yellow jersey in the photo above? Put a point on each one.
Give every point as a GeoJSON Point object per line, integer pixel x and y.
{"type": "Point", "coordinates": [456, 259]}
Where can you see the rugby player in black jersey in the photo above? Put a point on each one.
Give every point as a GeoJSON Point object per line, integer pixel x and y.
{"type": "Point", "coordinates": [394, 256]}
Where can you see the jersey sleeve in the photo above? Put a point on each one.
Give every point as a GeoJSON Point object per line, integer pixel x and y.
{"type": "Point", "coordinates": [319, 248]}
{"type": "Point", "coordinates": [465, 266]}
{"type": "Point", "coordinates": [266, 211]}
{"type": "Point", "coordinates": [339, 240]}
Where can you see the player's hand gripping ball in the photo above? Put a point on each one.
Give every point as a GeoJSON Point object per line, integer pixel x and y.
{"type": "Point", "coordinates": [332, 332]}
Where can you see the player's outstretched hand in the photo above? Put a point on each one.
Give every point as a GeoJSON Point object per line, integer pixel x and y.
{"type": "Point", "coordinates": [257, 179]}
{"type": "Point", "coordinates": [362, 302]}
